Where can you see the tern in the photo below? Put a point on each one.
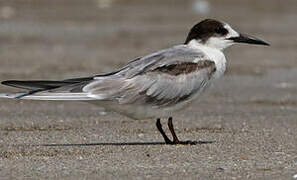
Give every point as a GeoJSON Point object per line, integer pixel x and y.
{"type": "Point", "coordinates": [152, 86]}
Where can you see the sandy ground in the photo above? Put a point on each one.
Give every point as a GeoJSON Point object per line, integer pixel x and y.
{"type": "Point", "coordinates": [246, 122]}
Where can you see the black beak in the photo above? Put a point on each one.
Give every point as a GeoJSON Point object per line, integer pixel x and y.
{"type": "Point", "coordinates": [242, 38]}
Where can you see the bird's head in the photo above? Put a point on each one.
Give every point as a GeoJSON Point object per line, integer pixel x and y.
{"type": "Point", "coordinates": [219, 35]}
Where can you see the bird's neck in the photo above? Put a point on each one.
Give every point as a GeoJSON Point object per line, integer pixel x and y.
{"type": "Point", "coordinates": [214, 54]}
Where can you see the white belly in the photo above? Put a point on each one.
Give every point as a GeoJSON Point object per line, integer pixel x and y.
{"type": "Point", "coordinates": [146, 111]}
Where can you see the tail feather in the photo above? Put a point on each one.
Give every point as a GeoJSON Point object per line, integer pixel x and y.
{"type": "Point", "coordinates": [69, 89]}
{"type": "Point", "coordinates": [48, 96]}
{"type": "Point", "coordinates": [58, 96]}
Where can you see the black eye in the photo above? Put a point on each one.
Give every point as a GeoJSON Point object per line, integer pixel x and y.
{"type": "Point", "coordinates": [221, 30]}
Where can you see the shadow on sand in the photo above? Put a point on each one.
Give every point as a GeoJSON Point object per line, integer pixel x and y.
{"type": "Point", "coordinates": [123, 144]}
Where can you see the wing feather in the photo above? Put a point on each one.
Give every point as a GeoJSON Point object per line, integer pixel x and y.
{"type": "Point", "coordinates": [161, 79]}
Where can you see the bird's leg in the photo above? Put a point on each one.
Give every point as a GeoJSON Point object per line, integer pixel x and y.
{"type": "Point", "coordinates": [159, 126]}
{"type": "Point", "coordinates": [175, 139]}
{"type": "Point", "coordinates": [171, 128]}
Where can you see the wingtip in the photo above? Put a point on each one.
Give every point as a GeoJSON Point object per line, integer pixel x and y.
{"type": "Point", "coordinates": [7, 82]}
{"type": "Point", "coordinates": [4, 82]}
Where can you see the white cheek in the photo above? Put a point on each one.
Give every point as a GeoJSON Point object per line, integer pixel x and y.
{"type": "Point", "coordinates": [218, 42]}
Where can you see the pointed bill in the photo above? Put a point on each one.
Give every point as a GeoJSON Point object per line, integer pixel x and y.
{"type": "Point", "coordinates": [243, 38]}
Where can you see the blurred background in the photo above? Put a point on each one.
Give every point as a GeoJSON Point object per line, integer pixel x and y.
{"type": "Point", "coordinates": [67, 38]}
{"type": "Point", "coordinates": [59, 39]}
{"type": "Point", "coordinates": [250, 114]}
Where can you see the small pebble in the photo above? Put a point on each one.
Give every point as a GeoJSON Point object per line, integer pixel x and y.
{"type": "Point", "coordinates": [220, 169]}
{"type": "Point", "coordinates": [102, 113]}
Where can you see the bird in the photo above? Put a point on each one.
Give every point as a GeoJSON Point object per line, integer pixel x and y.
{"type": "Point", "coordinates": [153, 86]}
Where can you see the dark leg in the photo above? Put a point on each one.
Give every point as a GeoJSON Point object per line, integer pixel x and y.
{"type": "Point", "coordinates": [171, 128]}
{"type": "Point", "coordinates": [175, 139]}
{"type": "Point", "coordinates": [159, 126]}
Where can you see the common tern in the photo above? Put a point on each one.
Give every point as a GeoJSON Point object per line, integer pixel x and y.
{"type": "Point", "coordinates": [152, 86]}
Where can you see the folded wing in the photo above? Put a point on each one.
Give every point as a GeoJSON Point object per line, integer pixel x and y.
{"type": "Point", "coordinates": [168, 78]}
{"type": "Point", "coordinates": [161, 79]}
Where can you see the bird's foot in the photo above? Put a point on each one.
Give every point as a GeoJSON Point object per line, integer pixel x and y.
{"type": "Point", "coordinates": [182, 142]}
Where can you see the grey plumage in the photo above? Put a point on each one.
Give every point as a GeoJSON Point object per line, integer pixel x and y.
{"type": "Point", "coordinates": [161, 79]}
{"type": "Point", "coordinates": [138, 82]}
{"type": "Point", "coordinates": [153, 86]}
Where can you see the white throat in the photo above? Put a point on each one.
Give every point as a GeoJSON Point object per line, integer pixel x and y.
{"type": "Point", "coordinates": [214, 54]}
{"type": "Point", "coordinates": [217, 43]}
